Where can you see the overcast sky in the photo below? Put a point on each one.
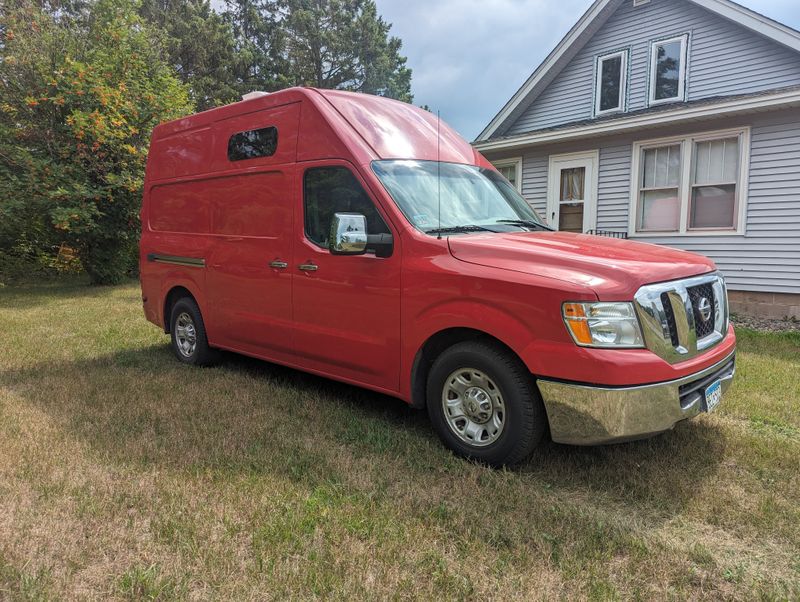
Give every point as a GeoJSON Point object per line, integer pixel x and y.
{"type": "Point", "coordinates": [470, 56]}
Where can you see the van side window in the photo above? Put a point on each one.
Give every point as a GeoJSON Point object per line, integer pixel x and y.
{"type": "Point", "coordinates": [252, 144]}
{"type": "Point", "coordinates": [329, 190]}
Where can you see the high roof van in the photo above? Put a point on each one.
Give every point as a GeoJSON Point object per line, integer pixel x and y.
{"type": "Point", "coordinates": [361, 239]}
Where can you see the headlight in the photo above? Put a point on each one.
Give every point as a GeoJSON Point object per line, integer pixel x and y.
{"type": "Point", "coordinates": [603, 324]}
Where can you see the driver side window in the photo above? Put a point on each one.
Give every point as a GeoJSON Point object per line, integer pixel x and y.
{"type": "Point", "coordinates": [329, 190]}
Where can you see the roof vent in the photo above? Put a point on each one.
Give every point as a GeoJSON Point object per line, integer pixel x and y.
{"type": "Point", "coordinates": [640, 2]}
{"type": "Point", "coordinates": [255, 94]}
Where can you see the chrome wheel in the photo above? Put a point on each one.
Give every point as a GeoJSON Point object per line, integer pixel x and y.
{"type": "Point", "coordinates": [185, 335]}
{"type": "Point", "coordinates": [473, 407]}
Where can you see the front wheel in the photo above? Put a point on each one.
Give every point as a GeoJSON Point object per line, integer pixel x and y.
{"type": "Point", "coordinates": [484, 404]}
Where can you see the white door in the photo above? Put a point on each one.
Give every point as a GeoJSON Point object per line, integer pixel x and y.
{"type": "Point", "coordinates": [572, 192]}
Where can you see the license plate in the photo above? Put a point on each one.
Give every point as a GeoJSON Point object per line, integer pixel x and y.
{"type": "Point", "coordinates": [713, 395]}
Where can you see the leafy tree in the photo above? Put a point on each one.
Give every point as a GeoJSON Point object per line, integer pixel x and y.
{"type": "Point", "coordinates": [344, 44]}
{"type": "Point", "coordinates": [79, 97]}
{"type": "Point", "coordinates": [200, 46]}
{"type": "Point", "coordinates": [259, 40]}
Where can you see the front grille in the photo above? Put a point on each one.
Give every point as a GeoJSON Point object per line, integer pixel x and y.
{"type": "Point", "coordinates": [703, 294]}
{"type": "Point", "coordinates": [683, 318]}
{"type": "Point", "coordinates": [669, 313]}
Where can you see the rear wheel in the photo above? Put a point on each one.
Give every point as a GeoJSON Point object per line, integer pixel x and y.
{"type": "Point", "coordinates": [484, 404]}
{"type": "Point", "coordinates": [188, 331]}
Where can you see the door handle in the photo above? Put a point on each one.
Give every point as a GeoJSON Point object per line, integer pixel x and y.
{"type": "Point", "coordinates": [308, 267]}
{"type": "Point", "coordinates": [278, 264]}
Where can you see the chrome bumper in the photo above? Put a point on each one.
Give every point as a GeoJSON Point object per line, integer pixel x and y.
{"type": "Point", "coordinates": [591, 415]}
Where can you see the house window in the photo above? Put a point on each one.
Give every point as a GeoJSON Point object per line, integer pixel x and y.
{"type": "Point", "coordinates": [659, 193]}
{"type": "Point", "coordinates": [694, 184]}
{"type": "Point", "coordinates": [612, 74]}
{"type": "Point", "coordinates": [714, 177]}
{"type": "Point", "coordinates": [668, 70]}
{"type": "Point", "coordinates": [511, 170]}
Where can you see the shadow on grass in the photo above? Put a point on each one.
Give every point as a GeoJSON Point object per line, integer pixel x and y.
{"type": "Point", "coordinates": [247, 417]}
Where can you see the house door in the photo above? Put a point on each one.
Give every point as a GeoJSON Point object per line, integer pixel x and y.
{"type": "Point", "coordinates": [572, 192]}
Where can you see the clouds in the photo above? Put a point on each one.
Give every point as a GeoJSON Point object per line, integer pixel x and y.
{"type": "Point", "coordinates": [470, 56]}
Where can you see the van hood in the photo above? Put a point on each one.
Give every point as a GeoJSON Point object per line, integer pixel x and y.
{"type": "Point", "coordinates": [614, 269]}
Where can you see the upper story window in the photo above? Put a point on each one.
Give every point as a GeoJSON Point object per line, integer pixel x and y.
{"type": "Point", "coordinates": [252, 144]}
{"type": "Point", "coordinates": [511, 169]}
{"type": "Point", "coordinates": [694, 184]}
{"type": "Point", "coordinates": [610, 84]}
{"type": "Point", "coordinates": [668, 70]}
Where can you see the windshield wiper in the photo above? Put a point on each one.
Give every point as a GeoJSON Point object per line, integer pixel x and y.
{"type": "Point", "coordinates": [458, 229]}
{"type": "Point", "coordinates": [525, 223]}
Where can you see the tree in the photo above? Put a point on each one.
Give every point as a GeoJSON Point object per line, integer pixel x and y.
{"type": "Point", "coordinates": [200, 46]}
{"type": "Point", "coordinates": [259, 40]}
{"type": "Point", "coordinates": [79, 97]}
{"type": "Point", "coordinates": [344, 44]}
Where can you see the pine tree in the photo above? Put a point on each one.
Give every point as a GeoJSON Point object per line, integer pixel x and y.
{"type": "Point", "coordinates": [343, 44]}
{"type": "Point", "coordinates": [200, 47]}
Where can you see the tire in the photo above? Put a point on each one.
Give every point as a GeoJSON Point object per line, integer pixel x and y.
{"type": "Point", "coordinates": [502, 415]}
{"type": "Point", "coordinates": [188, 333]}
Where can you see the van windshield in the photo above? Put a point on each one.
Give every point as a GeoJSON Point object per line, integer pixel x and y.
{"type": "Point", "coordinates": [472, 198]}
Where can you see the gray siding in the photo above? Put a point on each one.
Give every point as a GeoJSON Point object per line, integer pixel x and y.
{"type": "Point", "coordinates": [724, 59]}
{"type": "Point", "coordinates": [535, 166]}
{"type": "Point", "coordinates": [767, 257]}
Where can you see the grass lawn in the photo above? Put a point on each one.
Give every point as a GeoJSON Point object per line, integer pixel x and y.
{"type": "Point", "coordinates": [124, 474]}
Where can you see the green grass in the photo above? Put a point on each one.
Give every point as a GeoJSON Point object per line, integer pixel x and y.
{"type": "Point", "coordinates": [126, 475]}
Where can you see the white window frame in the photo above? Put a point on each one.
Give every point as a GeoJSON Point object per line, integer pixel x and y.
{"type": "Point", "coordinates": [687, 144]}
{"type": "Point", "coordinates": [623, 83]}
{"type": "Point", "coordinates": [684, 40]}
{"type": "Point", "coordinates": [515, 162]}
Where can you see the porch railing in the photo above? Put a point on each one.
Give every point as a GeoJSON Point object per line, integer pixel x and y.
{"type": "Point", "coordinates": [608, 233]}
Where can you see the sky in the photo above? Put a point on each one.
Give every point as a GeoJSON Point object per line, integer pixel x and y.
{"type": "Point", "coordinates": [470, 56]}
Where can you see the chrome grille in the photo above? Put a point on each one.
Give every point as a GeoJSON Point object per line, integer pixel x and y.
{"type": "Point", "coordinates": [702, 300]}
{"type": "Point", "coordinates": [683, 318]}
{"type": "Point", "coordinates": [670, 316]}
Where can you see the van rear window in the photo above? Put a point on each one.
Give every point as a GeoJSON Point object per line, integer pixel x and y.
{"type": "Point", "coordinates": [252, 144]}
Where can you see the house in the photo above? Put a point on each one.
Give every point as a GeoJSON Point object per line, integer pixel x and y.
{"type": "Point", "coordinates": [674, 122]}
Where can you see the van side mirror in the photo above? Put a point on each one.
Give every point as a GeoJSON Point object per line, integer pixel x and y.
{"type": "Point", "coordinates": [348, 234]}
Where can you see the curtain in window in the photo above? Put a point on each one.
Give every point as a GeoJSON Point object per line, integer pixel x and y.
{"type": "Point", "coordinates": [573, 184]}
{"type": "Point", "coordinates": [716, 167]}
{"type": "Point", "coordinates": [659, 200]}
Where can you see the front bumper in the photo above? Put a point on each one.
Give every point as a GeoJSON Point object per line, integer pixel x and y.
{"type": "Point", "coordinates": [582, 414]}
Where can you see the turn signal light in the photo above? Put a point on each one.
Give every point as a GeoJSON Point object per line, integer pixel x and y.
{"type": "Point", "coordinates": [575, 318]}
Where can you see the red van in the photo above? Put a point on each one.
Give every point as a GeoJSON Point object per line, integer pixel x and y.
{"type": "Point", "coordinates": [354, 237]}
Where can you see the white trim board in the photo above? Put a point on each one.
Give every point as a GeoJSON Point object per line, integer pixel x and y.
{"type": "Point", "coordinates": [734, 106]}
{"type": "Point", "coordinates": [594, 18]}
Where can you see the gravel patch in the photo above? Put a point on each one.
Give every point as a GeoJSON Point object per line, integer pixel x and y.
{"type": "Point", "coordinates": [766, 324]}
